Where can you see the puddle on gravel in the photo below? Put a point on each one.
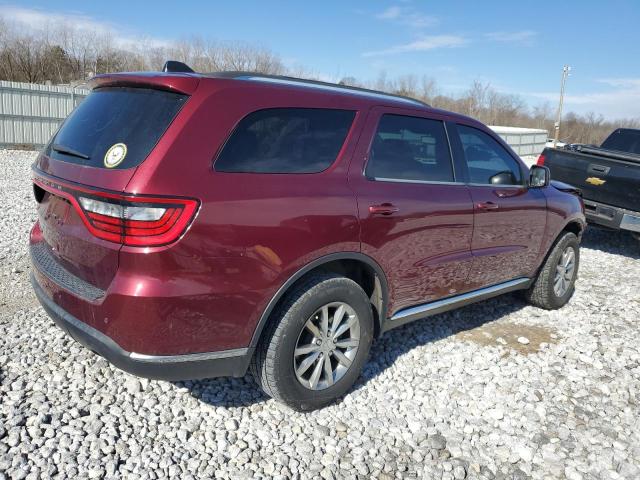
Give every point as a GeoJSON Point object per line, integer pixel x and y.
{"type": "Point", "coordinates": [524, 339]}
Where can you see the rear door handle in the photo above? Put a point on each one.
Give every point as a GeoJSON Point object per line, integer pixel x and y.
{"type": "Point", "coordinates": [487, 206]}
{"type": "Point", "coordinates": [383, 209]}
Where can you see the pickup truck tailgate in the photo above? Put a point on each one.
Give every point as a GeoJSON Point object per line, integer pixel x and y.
{"type": "Point", "coordinates": [604, 180]}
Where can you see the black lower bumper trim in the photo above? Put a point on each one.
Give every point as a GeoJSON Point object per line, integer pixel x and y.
{"type": "Point", "coordinates": [228, 363]}
{"type": "Point", "coordinates": [608, 216]}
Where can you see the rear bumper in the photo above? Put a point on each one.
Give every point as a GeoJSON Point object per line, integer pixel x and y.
{"type": "Point", "coordinates": [227, 363]}
{"type": "Point", "coordinates": [611, 217]}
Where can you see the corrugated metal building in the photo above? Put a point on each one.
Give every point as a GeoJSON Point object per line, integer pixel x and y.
{"type": "Point", "coordinates": [31, 113]}
{"type": "Point", "coordinates": [524, 141]}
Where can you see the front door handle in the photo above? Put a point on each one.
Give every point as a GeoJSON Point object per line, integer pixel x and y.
{"type": "Point", "coordinates": [383, 209]}
{"type": "Point", "coordinates": [487, 206]}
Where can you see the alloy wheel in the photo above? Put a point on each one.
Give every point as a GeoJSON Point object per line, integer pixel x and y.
{"type": "Point", "coordinates": [564, 271]}
{"type": "Point", "coordinates": [327, 346]}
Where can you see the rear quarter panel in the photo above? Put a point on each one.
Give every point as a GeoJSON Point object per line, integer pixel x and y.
{"type": "Point", "coordinates": [252, 232]}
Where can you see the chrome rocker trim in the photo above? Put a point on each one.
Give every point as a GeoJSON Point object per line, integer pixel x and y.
{"type": "Point", "coordinates": [439, 306]}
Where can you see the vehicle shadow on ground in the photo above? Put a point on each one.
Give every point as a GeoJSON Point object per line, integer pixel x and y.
{"type": "Point", "coordinates": [610, 241]}
{"type": "Point", "coordinates": [395, 343]}
{"type": "Point", "coordinates": [225, 392]}
{"type": "Point", "coordinates": [385, 351]}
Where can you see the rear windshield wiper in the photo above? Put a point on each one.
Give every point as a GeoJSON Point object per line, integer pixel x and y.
{"type": "Point", "coordinates": [69, 151]}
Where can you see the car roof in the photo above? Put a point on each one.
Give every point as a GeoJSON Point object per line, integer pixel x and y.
{"type": "Point", "coordinates": [317, 85]}
{"type": "Point", "coordinates": [187, 83]}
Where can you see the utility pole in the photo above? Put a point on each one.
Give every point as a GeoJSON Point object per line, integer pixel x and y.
{"type": "Point", "coordinates": [565, 73]}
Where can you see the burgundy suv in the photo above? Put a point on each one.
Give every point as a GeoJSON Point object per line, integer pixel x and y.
{"type": "Point", "coordinates": [193, 226]}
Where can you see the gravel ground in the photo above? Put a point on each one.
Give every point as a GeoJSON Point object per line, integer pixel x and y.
{"type": "Point", "coordinates": [495, 390]}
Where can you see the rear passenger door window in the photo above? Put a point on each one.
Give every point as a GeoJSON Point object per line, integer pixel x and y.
{"type": "Point", "coordinates": [410, 149]}
{"type": "Point", "coordinates": [488, 162]}
{"type": "Point", "coordinates": [286, 140]}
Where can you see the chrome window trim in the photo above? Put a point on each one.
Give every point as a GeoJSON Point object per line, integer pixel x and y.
{"type": "Point", "coordinates": [497, 185]}
{"type": "Point", "coordinates": [402, 180]}
{"type": "Point", "coordinates": [435, 182]}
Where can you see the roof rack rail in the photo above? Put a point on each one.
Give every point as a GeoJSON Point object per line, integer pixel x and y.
{"type": "Point", "coordinates": [172, 66]}
{"type": "Point", "coordinates": [312, 83]}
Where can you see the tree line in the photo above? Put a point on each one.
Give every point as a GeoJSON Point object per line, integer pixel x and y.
{"type": "Point", "coordinates": [62, 54]}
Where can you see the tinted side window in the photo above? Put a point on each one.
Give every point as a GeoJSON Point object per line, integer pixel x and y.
{"type": "Point", "coordinates": [410, 148]}
{"type": "Point", "coordinates": [286, 140]}
{"type": "Point", "coordinates": [487, 160]}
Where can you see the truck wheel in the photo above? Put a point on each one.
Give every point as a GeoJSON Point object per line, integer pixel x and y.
{"type": "Point", "coordinates": [555, 282]}
{"type": "Point", "coordinates": [315, 345]}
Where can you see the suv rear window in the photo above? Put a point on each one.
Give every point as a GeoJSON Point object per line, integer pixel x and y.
{"type": "Point", "coordinates": [134, 117]}
{"type": "Point", "coordinates": [286, 140]}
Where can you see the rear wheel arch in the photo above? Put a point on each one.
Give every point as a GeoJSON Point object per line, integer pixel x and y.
{"type": "Point", "coordinates": [354, 265]}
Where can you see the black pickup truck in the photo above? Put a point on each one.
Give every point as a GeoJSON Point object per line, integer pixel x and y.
{"type": "Point", "coordinates": [608, 176]}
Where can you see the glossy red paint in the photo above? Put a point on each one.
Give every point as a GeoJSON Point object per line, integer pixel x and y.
{"type": "Point", "coordinates": [508, 230]}
{"type": "Point", "coordinates": [207, 292]}
{"type": "Point", "coordinates": [424, 246]}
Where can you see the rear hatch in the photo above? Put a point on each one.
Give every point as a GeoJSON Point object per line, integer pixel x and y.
{"type": "Point", "coordinates": [600, 177]}
{"type": "Point", "coordinates": [80, 175]}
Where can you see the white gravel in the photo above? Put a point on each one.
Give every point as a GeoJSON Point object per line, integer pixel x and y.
{"type": "Point", "coordinates": [459, 395]}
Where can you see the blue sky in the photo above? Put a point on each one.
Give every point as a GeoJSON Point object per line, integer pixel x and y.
{"type": "Point", "coordinates": [519, 47]}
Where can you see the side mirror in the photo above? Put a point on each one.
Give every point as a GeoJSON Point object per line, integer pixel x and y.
{"type": "Point", "coordinates": [539, 176]}
{"type": "Point", "coordinates": [503, 178]}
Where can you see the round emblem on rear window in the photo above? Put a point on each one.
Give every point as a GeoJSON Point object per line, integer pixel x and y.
{"type": "Point", "coordinates": [115, 155]}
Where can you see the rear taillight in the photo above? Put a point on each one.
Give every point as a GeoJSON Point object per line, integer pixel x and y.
{"type": "Point", "coordinates": [138, 221]}
{"type": "Point", "coordinates": [541, 160]}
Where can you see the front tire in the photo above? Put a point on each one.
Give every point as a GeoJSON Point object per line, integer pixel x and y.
{"type": "Point", "coordinates": [316, 343]}
{"type": "Point", "coordinates": [555, 283]}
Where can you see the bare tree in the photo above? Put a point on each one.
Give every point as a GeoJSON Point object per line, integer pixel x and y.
{"type": "Point", "coordinates": [428, 89]}
{"type": "Point", "coordinates": [64, 53]}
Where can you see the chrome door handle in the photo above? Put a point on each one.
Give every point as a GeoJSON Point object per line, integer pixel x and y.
{"type": "Point", "coordinates": [487, 206]}
{"type": "Point", "coordinates": [383, 209]}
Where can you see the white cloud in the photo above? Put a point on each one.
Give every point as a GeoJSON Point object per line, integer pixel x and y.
{"type": "Point", "coordinates": [406, 16]}
{"type": "Point", "coordinates": [627, 83]}
{"type": "Point", "coordinates": [421, 45]}
{"type": "Point", "coordinates": [525, 37]}
{"type": "Point", "coordinates": [390, 13]}
{"type": "Point", "coordinates": [621, 99]}
{"type": "Point", "coordinates": [31, 19]}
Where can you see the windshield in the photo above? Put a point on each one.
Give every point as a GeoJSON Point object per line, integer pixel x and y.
{"type": "Point", "coordinates": [115, 127]}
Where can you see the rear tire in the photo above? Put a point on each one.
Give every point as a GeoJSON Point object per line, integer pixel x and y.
{"type": "Point", "coordinates": [296, 334]}
{"type": "Point", "coordinates": [555, 283]}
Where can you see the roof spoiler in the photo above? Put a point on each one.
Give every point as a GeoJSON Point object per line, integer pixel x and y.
{"type": "Point", "coordinates": [185, 84]}
{"type": "Point", "coordinates": [173, 66]}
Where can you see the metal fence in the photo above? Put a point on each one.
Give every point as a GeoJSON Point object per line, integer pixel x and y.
{"type": "Point", "coordinates": [31, 113]}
